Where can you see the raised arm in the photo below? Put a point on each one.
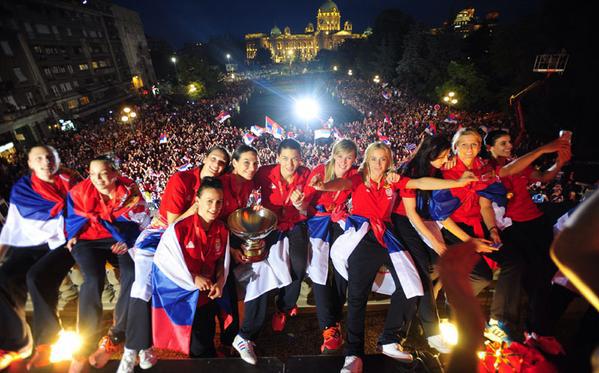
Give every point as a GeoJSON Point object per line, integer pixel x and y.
{"type": "Point", "coordinates": [431, 183]}
{"type": "Point", "coordinates": [519, 164]}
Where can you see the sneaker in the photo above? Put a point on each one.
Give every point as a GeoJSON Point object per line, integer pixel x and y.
{"type": "Point", "coordinates": [41, 357]}
{"type": "Point", "coordinates": [147, 358]}
{"type": "Point", "coordinates": [395, 351]}
{"type": "Point", "coordinates": [106, 348]}
{"type": "Point", "coordinates": [497, 331]}
{"type": "Point", "coordinates": [245, 348]}
{"type": "Point", "coordinates": [332, 339]}
{"type": "Point", "coordinates": [352, 364]}
{"type": "Point", "coordinates": [127, 364]}
{"type": "Point", "coordinates": [439, 343]}
{"type": "Point", "coordinates": [279, 319]}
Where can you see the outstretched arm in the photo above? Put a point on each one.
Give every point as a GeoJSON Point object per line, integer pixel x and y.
{"type": "Point", "coordinates": [431, 183]}
{"type": "Point", "coordinates": [519, 164]}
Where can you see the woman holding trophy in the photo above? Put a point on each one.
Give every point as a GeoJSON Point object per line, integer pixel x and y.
{"type": "Point", "coordinates": [284, 265]}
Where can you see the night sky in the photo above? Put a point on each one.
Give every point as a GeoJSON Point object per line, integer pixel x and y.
{"type": "Point", "coordinates": [180, 21]}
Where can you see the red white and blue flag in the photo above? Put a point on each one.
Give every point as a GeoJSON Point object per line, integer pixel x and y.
{"type": "Point", "coordinates": [387, 120]}
{"type": "Point", "coordinates": [257, 130]}
{"type": "Point", "coordinates": [248, 139]}
{"type": "Point", "coordinates": [223, 116]}
{"type": "Point", "coordinates": [274, 128]}
{"type": "Point", "coordinates": [322, 133]}
{"type": "Point", "coordinates": [175, 295]}
{"type": "Point", "coordinates": [163, 138]}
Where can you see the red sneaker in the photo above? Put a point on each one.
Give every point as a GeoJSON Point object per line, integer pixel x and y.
{"type": "Point", "coordinates": [332, 339]}
{"type": "Point", "coordinates": [106, 348]}
{"type": "Point", "coordinates": [279, 319]}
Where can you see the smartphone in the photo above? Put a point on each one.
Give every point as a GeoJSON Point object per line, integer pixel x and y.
{"type": "Point", "coordinates": [497, 245]}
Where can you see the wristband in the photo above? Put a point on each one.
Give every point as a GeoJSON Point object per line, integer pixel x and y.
{"type": "Point", "coordinates": [493, 227]}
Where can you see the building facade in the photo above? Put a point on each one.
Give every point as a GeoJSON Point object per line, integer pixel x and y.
{"type": "Point", "coordinates": [59, 60]}
{"type": "Point", "coordinates": [286, 47]}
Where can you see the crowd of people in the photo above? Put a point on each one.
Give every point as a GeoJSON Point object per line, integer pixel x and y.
{"type": "Point", "coordinates": [337, 224]}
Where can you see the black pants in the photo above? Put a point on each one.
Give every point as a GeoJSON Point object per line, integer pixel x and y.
{"type": "Point", "coordinates": [202, 331]}
{"type": "Point", "coordinates": [533, 240]}
{"type": "Point", "coordinates": [424, 258]}
{"type": "Point", "coordinates": [139, 324]}
{"type": "Point", "coordinates": [91, 256]}
{"type": "Point", "coordinates": [363, 265]}
{"type": "Point", "coordinates": [505, 305]}
{"type": "Point", "coordinates": [39, 271]}
{"type": "Point", "coordinates": [255, 310]}
{"type": "Point", "coordinates": [331, 297]}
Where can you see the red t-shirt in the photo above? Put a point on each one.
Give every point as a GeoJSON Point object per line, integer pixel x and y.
{"type": "Point", "coordinates": [400, 209]}
{"type": "Point", "coordinates": [520, 206]}
{"type": "Point", "coordinates": [201, 250]}
{"type": "Point", "coordinates": [376, 201]}
{"type": "Point", "coordinates": [469, 210]}
{"type": "Point", "coordinates": [276, 193]}
{"type": "Point", "coordinates": [179, 193]}
{"type": "Point", "coordinates": [329, 200]}
{"type": "Point", "coordinates": [234, 196]}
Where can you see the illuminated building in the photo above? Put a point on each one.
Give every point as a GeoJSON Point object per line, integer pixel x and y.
{"type": "Point", "coordinates": [286, 47]}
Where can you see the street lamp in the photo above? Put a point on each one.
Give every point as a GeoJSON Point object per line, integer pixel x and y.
{"type": "Point", "coordinates": [335, 68]}
{"type": "Point", "coordinates": [350, 72]}
{"type": "Point", "coordinates": [228, 57]}
{"type": "Point", "coordinates": [174, 61]}
{"type": "Point", "coordinates": [450, 99]}
{"type": "Point", "coordinates": [127, 115]}
{"type": "Point", "coordinates": [376, 79]}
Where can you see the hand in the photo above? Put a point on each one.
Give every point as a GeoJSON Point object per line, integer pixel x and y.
{"type": "Point", "coordinates": [317, 183]}
{"type": "Point", "coordinates": [483, 246]}
{"type": "Point", "coordinates": [238, 256]}
{"type": "Point", "coordinates": [71, 243]}
{"type": "Point", "coordinates": [439, 247]}
{"type": "Point", "coordinates": [297, 197]}
{"type": "Point", "coordinates": [563, 156]}
{"type": "Point", "coordinates": [215, 291]}
{"type": "Point", "coordinates": [392, 177]}
{"type": "Point", "coordinates": [119, 248]}
{"type": "Point", "coordinates": [450, 164]}
{"type": "Point", "coordinates": [495, 236]}
{"type": "Point", "coordinates": [557, 145]}
{"type": "Point", "coordinates": [202, 283]}
{"type": "Point", "coordinates": [467, 178]}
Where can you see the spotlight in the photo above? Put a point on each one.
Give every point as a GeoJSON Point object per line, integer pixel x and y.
{"type": "Point", "coordinates": [449, 332]}
{"type": "Point", "coordinates": [306, 108]}
{"type": "Point", "coordinates": [67, 344]}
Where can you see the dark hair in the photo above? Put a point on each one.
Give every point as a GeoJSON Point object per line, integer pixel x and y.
{"type": "Point", "coordinates": [492, 136]}
{"type": "Point", "coordinates": [289, 144]}
{"type": "Point", "coordinates": [429, 149]}
{"type": "Point", "coordinates": [106, 159]}
{"type": "Point", "coordinates": [209, 182]}
{"type": "Point", "coordinates": [222, 150]}
{"type": "Point", "coordinates": [243, 149]}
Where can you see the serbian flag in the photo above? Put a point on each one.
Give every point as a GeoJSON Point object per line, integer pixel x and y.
{"type": "Point", "coordinates": [223, 116]}
{"type": "Point", "coordinates": [386, 94]}
{"type": "Point", "coordinates": [431, 129]}
{"type": "Point", "coordinates": [185, 167]}
{"type": "Point", "coordinates": [248, 139]}
{"type": "Point", "coordinates": [175, 296]}
{"type": "Point", "coordinates": [35, 213]}
{"type": "Point", "coordinates": [125, 216]}
{"type": "Point", "coordinates": [322, 133]}
{"type": "Point", "coordinates": [257, 130]}
{"type": "Point", "coordinates": [163, 138]}
{"type": "Point", "coordinates": [383, 139]}
{"type": "Point", "coordinates": [387, 120]}
{"type": "Point", "coordinates": [274, 128]}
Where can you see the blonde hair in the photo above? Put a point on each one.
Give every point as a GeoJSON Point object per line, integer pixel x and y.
{"type": "Point", "coordinates": [341, 146]}
{"type": "Point", "coordinates": [464, 132]}
{"type": "Point", "coordinates": [364, 169]}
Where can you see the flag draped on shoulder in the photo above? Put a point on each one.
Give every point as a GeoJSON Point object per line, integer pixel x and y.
{"type": "Point", "coordinates": [35, 214]}
{"type": "Point", "coordinates": [274, 128]}
{"type": "Point", "coordinates": [125, 216]}
{"type": "Point", "coordinates": [175, 295]}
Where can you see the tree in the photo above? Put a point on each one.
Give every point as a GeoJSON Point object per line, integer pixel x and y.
{"type": "Point", "coordinates": [194, 70]}
{"type": "Point", "coordinates": [469, 85]}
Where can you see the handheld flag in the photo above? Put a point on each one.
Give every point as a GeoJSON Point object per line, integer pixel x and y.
{"type": "Point", "coordinates": [223, 116]}
{"type": "Point", "coordinates": [257, 130]}
{"type": "Point", "coordinates": [274, 128]}
{"type": "Point", "coordinates": [322, 133]}
{"type": "Point", "coordinates": [248, 139]}
{"type": "Point", "coordinates": [163, 138]}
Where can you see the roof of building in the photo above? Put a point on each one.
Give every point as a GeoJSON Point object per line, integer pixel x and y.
{"type": "Point", "coordinates": [329, 6]}
{"type": "Point", "coordinates": [275, 31]}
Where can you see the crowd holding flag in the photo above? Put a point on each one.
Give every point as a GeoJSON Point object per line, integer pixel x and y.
{"type": "Point", "coordinates": [223, 116]}
{"type": "Point", "coordinates": [163, 138]}
{"type": "Point", "coordinates": [248, 139]}
{"type": "Point", "coordinates": [387, 120]}
{"type": "Point", "coordinates": [322, 133]}
{"type": "Point", "coordinates": [257, 130]}
{"type": "Point", "coordinates": [274, 128]}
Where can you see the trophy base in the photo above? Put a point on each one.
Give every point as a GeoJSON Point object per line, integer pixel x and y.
{"type": "Point", "coordinates": [255, 251]}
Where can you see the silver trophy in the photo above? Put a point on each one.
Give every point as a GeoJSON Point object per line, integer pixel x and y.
{"type": "Point", "coordinates": [252, 227]}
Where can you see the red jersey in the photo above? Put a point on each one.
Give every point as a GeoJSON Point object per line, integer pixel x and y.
{"type": "Point", "coordinates": [376, 201]}
{"type": "Point", "coordinates": [330, 201]}
{"type": "Point", "coordinates": [276, 193]}
{"type": "Point", "coordinates": [235, 196]}
{"type": "Point", "coordinates": [403, 193]}
{"type": "Point", "coordinates": [469, 210]}
{"type": "Point", "coordinates": [201, 250]}
{"type": "Point", "coordinates": [520, 206]}
{"type": "Point", "coordinates": [179, 193]}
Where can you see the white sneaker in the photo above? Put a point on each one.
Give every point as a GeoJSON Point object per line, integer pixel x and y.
{"type": "Point", "coordinates": [147, 358]}
{"type": "Point", "coordinates": [245, 348]}
{"type": "Point", "coordinates": [352, 364]}
{"type": "Point", "coordinates": [395, 351]}
{"type": "Point", "coordinates": [439, 343]}
{"type": "Point", "coordinates": [128, 361]}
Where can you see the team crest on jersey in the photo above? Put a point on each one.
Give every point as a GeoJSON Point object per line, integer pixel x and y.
{"type": "Point", "coordinates": [388, 192]}
{"type": "Point", "coordinates": [217, 244]}
{"type": "Point", "coordinates": [190, 245]}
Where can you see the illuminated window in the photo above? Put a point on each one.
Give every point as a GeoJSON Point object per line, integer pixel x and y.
{"type": "Point", "coordinates": [94, 64]}
{"type": "Point", "coordinates": [83, 66]}
{"type": "Point", "coordinates": [72, 104]}
{"type": "Point", "coordinates": [84, 100]}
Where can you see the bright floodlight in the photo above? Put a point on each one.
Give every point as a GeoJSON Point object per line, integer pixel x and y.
{"type": "Point", "coordinates": [306, 108]}
{"type": "Point", "coordinates": [68, 343]}
{"type": "Point", "coordinates": [174, 59]}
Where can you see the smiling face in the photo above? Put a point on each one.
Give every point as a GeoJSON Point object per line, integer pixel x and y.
{"type": "Point", "coordinates": [343, 162]}
{"type": "Point", "coordinates": [378, 162]}
{"type": "Point", "coordinates": [247, 165]}
{"type": "Point", "coordinates": [441, 159]}
{"type": "Point", "coordinates": [290, 160]}
{"type": "Point", "coordinates": [214, 163]}
{"type": "Point", "coordinates": [43, 162]}
{"type": "Point", "coordinates": [210, 203]}
{"type": "Point", "coordinates": [103, 176]}
{"type": "Point", "coordinates": [468, 147]}
{"type": "Point", "coordinates": [502, 147]}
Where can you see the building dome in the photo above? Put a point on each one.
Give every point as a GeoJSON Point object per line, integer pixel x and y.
{"type": "Point", "coordinates": [329, 6]}
{"type": "Point", "coordinates": [275, 31]}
